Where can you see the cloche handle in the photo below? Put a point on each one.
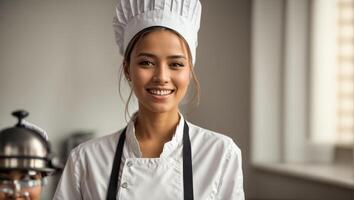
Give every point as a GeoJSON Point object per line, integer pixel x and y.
{"type": "Point", "coordinates": [20, 115]}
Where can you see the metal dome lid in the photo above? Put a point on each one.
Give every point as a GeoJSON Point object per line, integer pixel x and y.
{"type": "Point", "coordinates": [23, 148]}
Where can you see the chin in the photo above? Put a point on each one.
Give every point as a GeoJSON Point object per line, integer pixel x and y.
{"type": "Point", "coordinates": [161, 108]}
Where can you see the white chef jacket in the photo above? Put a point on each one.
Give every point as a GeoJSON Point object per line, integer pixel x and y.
{"type": "Point", "coordinates": [216, 161]}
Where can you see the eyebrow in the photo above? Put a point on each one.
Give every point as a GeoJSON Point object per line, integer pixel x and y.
{"type": "Point", "coordinates": [154, 56]}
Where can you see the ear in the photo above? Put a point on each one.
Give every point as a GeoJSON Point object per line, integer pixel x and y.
{"type": "Point", "coordinates": [126, 70]}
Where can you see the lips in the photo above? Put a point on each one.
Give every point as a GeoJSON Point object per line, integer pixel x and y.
{"type": "Point", "coordinates": [160, 92]}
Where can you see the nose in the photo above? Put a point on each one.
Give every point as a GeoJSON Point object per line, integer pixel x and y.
{"type": "Point", "coordinates": [162, 74]}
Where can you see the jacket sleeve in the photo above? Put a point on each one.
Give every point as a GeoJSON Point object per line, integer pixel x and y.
{"type": "Point", "coordinates": [231, 180]}
{"type": "Point", "coordinates": [69, 184]}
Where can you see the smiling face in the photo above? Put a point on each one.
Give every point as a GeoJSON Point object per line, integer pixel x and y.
{"type": "Point", "coordinates": [159, 70]}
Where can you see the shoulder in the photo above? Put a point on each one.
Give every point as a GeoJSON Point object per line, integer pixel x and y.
{"type": "Point", "coordinates": [104, 145]}
{"type": "Point", "coordinates": [211, 141]}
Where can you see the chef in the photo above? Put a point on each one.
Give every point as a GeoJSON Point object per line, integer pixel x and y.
{"type": "Point", "coordinates": [159, 155]}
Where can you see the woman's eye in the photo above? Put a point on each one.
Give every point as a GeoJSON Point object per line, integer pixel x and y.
{"type": "Point", "coordinates": [146, 63]}
{"type": "Point", "coordinates": [176, 65]}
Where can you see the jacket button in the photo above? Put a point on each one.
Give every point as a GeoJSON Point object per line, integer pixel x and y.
{"type": "Point", "coordinates": [129, 163]}
{"type": "Point", "coordinates": [125, 185]}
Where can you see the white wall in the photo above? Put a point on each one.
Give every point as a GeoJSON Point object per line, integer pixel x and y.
{"type": "Point", "coordinates": [59, 61]}
{"type": "Point", "coordinates": [267, 84]}
{"type": "Point", "coordinates": [223, 68]}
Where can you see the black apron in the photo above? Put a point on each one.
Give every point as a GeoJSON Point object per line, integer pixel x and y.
{"type": "Point", "coordinates": [187, 166]}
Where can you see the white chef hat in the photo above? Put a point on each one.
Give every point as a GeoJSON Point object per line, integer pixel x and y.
{"type": "Point", "coordinates": [182, 16]}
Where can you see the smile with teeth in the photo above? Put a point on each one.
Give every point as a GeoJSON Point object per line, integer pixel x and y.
{"type": "Point", "coordinates": [160, 92]}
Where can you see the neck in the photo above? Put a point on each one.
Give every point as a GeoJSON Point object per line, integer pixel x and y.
{"type": "Point", "coordinates": [159, 127]}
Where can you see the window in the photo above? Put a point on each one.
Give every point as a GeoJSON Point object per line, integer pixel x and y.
{"type": "Point", "coordinates": [345, 71]}
{"type": "Point", "coordinates": [302, 88]}
{"type": "Point", "coordinates": [332, 72]}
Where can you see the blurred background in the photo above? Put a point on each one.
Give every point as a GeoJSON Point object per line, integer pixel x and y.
{"type": "Point", "coordinates": [276, 75]}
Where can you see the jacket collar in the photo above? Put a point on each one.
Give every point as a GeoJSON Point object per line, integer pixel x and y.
{"type": "Point", "coordinates": [169, 148]}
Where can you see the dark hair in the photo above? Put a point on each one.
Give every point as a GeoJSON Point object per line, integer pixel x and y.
{"type": "Point", "coordinates": [140, 35]}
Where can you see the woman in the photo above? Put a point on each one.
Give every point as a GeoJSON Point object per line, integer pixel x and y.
{"type": "Point", "coordinates": [158, 155]}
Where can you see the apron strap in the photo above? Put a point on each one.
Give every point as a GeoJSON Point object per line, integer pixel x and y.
{"type": "Point", "coordinates": [113, 182]}
{"type": "Point", "coordinates": [187, 166]}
